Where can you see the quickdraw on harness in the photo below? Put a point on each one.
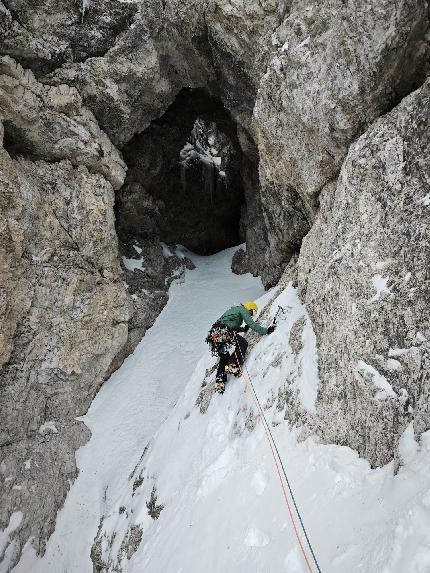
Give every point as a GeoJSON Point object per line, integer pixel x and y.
{"type": "Point", "coordinates": [220, 339]}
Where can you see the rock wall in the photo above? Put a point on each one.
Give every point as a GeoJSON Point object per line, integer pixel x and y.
{"type": "Point", "coordinates": [323, 178]}
{"type": "Point", "coordinates": [337, 67]}
{"type": "Point", "coordinates": [64, 308]}
{"type": "Point", "coordinates": [364, 275]}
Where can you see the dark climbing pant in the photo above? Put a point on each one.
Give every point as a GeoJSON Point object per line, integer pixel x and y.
{"type": "Point", "coordinates": [238, 356]}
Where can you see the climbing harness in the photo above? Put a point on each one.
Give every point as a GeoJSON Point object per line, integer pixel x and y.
{"type": "Point", "coordinates": [234, 369]}
{"type": "Point", "coordinates": [220, 339]}
{"type": "Point", "coordinates": [279, 464]}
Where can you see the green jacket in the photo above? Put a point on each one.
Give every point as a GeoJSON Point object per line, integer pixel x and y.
{"type": "Point", "coordinates": [234, 316]}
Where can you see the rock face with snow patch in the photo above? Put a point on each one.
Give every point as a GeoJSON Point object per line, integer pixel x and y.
{"type": "Point", "coordinates": [337, 66]}
{"type": "Point", "coordinates": [64, 307]}
{"type": "Point", "coordinates": [364, 275]}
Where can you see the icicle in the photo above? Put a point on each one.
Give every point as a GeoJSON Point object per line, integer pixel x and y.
{"type": "Point", "coordinates": [85, 6]}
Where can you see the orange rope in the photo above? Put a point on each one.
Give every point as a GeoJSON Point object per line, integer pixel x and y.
{"type": "Point", "coordinates": [263, 421]}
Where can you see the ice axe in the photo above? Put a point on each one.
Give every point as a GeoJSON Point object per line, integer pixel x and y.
{"type": "Point", "coordinates": [281, 311]}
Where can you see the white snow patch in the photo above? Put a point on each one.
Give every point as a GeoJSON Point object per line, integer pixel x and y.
{"type": "Point", "coordinates": [398, 351]}
{"type": "Point", "coordinates": [408, 447]}
{"type": "Point", "coordinates": [133, 264]}
{"type": "Point", "coordinates": [407, 277]}
{"type": "Point", "coordinates": [380, 265]}
{"type": "Point", "coordinates": [14, 522]}
{"type": "Point", "coordinates": [380, 381]}
{"type": "Point", "coordinates": [27, 464]}
{"type": "Point", "coordinates": [420, 337]}
{"type": "Point", "coordinates": [182, 252]}
{"type": "Point", "coordinates": [293, 562]}
{"type": "Point", "coordinates": [393, 364]}
{"type": "Point", "coordinates": [259, 482]}
{"type": "Point", "coordinates": [353, 308]}
{"type": "Point", "coordinates": [305, 42]}
{"type": "Point", "coordinates": [166, 250]}
{"type": "Point", "coordinates": [137, 249]}
{"type": "Point", "coordinates": [426, 200]}
{"type": "Point", "coordinates": [381, 285]}
{"type": "Point", "coordinates": [48, 428]}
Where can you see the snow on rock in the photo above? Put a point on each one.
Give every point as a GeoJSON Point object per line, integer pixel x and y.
{"type": "Point", "coordinates": [132, 264]}
{"type": "Point", "coordinates": [426, 200]}
{"type": "Point", "coordinates": [7, 547]}
{"type": "Point", "coordinates": [166, 250]}
{"type": "Point", "coordinates": [393, 364]}
{"type": "Point", "coordinates": [380, 381]}
{"type": "Point", "coordinates": [408, 447]}
{"type": "Point", "coordinates": [394, 352]}
{"type": "Point", "coordinates": [381, 285]}
{"type": "Point", "coordinates": [48, 428]}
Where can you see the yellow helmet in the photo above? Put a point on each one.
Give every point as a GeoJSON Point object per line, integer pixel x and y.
{"type": "Point", "coordinates": [250, 305]}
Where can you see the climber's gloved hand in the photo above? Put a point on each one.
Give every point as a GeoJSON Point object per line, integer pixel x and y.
{"type": "Point", "coordinates": [271, 329]}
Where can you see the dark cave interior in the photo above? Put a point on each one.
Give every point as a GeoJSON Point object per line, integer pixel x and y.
{"type": "Point", "coordinates": [185, 178]}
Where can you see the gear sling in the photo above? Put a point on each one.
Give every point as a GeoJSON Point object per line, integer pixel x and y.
{"type": "Point", "coordinates": [222, 341]}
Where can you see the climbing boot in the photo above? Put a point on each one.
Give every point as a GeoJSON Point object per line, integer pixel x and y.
{"type": "Point", "coordinates": [219, 386]}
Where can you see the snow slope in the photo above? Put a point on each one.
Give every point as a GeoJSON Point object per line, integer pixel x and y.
{"type": "Point", "coordinates": [131, 406]}
{"type": "Point", "coordinates": [212, 469]}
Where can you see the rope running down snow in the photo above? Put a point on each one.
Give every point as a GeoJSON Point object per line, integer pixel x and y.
{"type": "Point", "coordinates": [274, 447]}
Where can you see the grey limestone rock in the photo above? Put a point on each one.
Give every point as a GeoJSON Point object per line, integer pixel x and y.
{"type": "Point", "coordinates": [338, 66]}
{"type": "Point", "coordinates": [364, 276]}
{"type": "Point", "coordinates": [42, 37]}
{"type": "Point", "coordinates": [51, 123]}
{"type": "Point", "coordinates": [63, 303]}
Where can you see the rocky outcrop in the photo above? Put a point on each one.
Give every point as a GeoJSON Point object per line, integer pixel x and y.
{"type": "Point", "coordinates": [51, 123]}
{"type": "Point", "coordinates": [364, 275]}
{"type": "Point", "coordinates": [337, 67]}
{"type": "Point", "coordinates": [64, 306]}
{"type": "Point", "coordinates": [41, 38]}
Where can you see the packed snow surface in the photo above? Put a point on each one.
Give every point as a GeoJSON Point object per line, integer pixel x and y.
{"type": "Point", "coordinates": [212, 475]}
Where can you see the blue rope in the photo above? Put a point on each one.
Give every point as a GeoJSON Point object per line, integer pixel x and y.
{"type": "Point", "coordinates": [282, 464]}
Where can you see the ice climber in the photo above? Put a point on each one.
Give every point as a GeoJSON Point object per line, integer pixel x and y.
{"type": "Point", "coordinates": [228, 345]}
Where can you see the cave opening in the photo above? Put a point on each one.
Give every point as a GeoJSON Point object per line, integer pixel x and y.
{"type": "Point", "coordinates": [184, 182]}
